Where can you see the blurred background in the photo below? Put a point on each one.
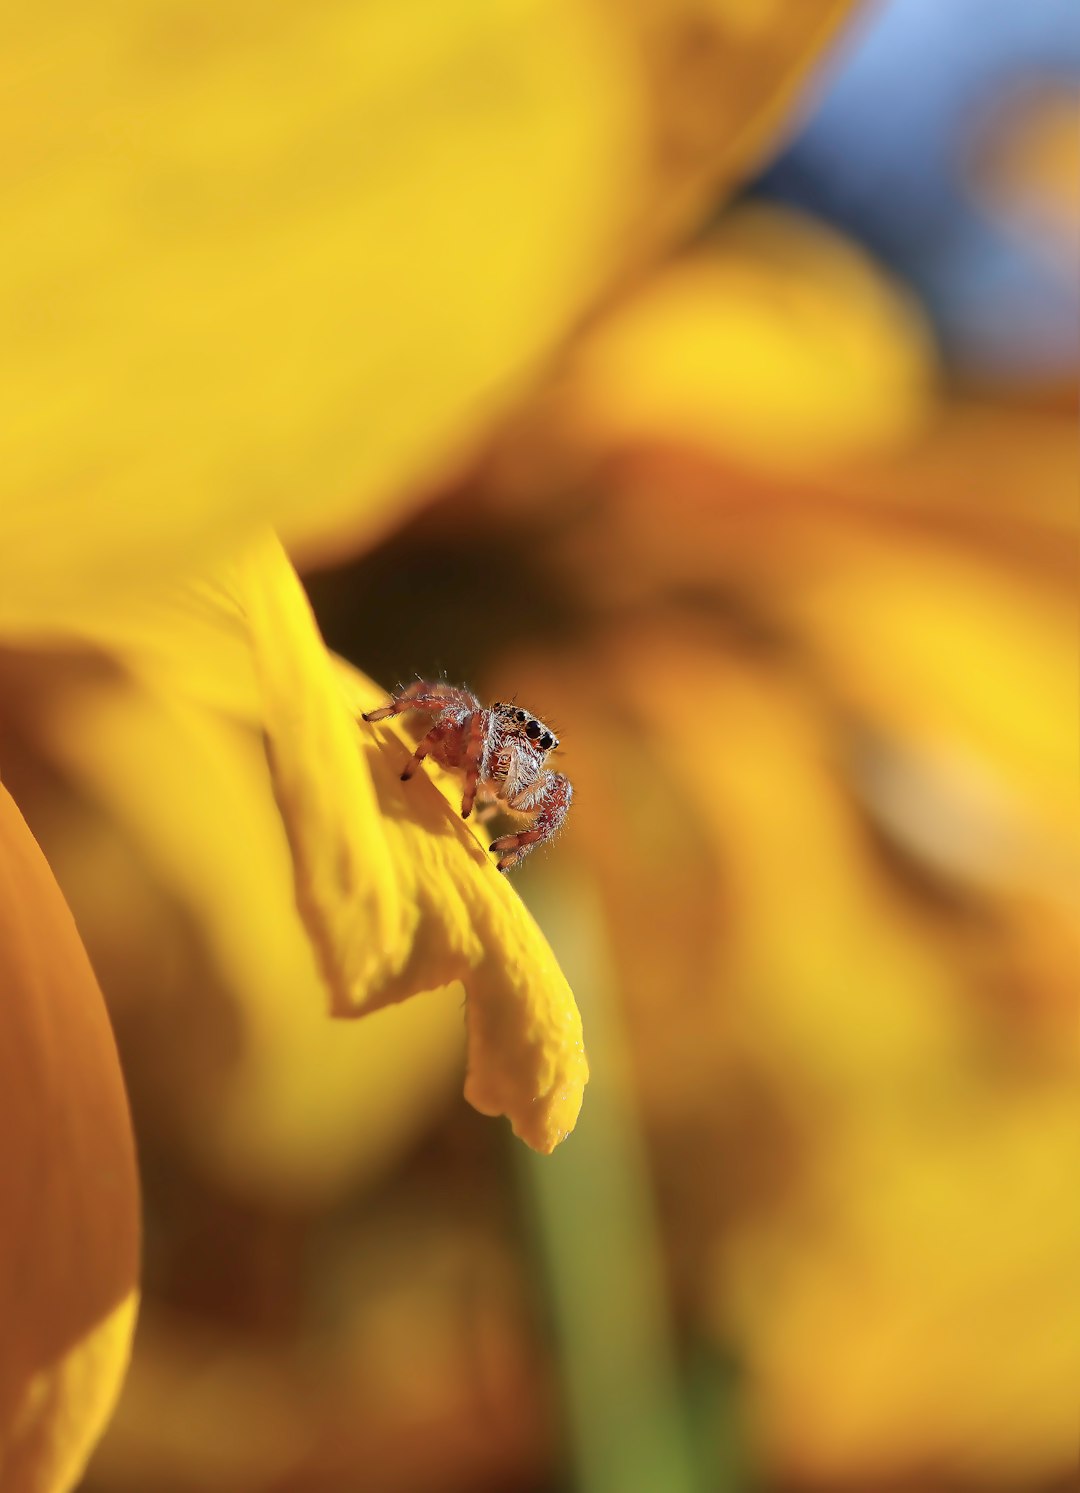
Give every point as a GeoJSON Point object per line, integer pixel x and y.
{"type": "Point", "coordinates": [783, 546]}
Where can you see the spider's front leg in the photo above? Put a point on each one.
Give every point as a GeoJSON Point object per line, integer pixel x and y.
{"type": "Point", "coordinates": [457, 737]}
{"type": "Point", "coordinates": [549, 799]}
{"type": "Point", "coordinates": [432, 696]}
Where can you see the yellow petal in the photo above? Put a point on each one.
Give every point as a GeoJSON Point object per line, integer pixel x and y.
{"type": "Point", "coordinates": [962, 665]}
{"type": "Point", "coordinates": [777, 344]}
{"type": "Point", "coordinates": [68, 1187]}
{"type": "Point", "coordinates": [944, 1285]}
{"type": "Point", "coordinates": [723, 79]}
{"type": "Point", "coordinates": [398, 894]}
{"type": "Point", "coordinates": [291, 272]}
{"type": "Point", "coordinates": [279, 270]}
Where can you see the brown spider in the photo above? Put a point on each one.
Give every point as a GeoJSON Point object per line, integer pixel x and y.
{"type": "Point", "coordinates": [502, 753]}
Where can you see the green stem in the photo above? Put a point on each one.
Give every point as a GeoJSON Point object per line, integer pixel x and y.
{"type": "Point", "coordinates": [599, 1240]}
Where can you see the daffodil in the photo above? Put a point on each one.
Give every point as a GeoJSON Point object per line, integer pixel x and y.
{"type": "Point", "coordinates": [284, 271]}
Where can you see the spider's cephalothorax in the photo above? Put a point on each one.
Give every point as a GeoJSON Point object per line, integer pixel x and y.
{"type": "Point", "coordinates": [501, 750]}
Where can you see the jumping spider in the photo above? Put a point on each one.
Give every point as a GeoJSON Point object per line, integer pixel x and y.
{"type": "Point", "coordinates": [501, 751]}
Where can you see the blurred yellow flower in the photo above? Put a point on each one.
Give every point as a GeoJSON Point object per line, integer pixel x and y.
{"type": "Point", "coordinates": [831, 618]}
{"type": "Point", "coordinates": [242, 237]}
{"type": "Point", "coordinates": [287, 268]}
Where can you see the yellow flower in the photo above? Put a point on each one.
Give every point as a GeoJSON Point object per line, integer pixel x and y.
{"type": "Point", "coordinates": [291, 271]}
{"type": "Point", "coordinates": [250, 258]}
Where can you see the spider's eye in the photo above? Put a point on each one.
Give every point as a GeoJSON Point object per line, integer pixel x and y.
{"type": "Point", "coordinates": [547, 741]}
{"type": "Point", "coordinates": [533, 730]}
{"type": "Point", "coordinates": [520, 714]}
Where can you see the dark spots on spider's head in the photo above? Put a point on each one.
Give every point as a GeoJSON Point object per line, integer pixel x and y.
{"type": "Point", "coordinates": [547, 741]}
{"type": "Point", "coordinates": [533, 730]}
{"type": "Point", "coordinates": [521, 716]}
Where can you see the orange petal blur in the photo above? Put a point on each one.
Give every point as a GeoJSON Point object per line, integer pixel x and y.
{"type": "Point", "coordinates": [69, 1248]}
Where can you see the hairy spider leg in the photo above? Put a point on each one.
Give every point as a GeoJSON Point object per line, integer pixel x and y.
{"type": "Point", "coordinates": [471, 760]}
{"type": "Point", "coordinates": [549, 798]}
{"type": "Point", "coordinates": [432, 696]}
{"type": "Point", "coordinates": [424, 746]}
